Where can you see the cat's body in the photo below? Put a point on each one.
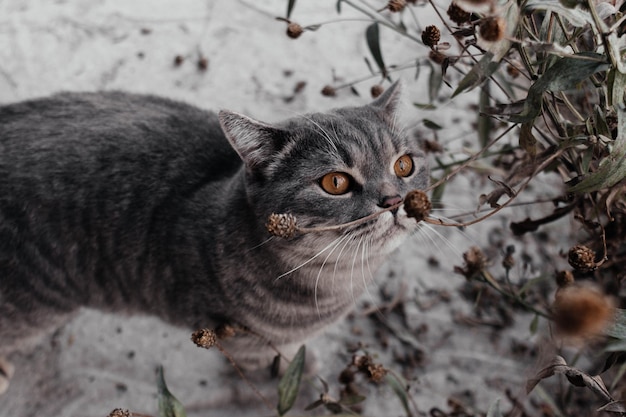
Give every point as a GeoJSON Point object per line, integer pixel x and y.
{"type": "Point", "coordinates": [138, 204]}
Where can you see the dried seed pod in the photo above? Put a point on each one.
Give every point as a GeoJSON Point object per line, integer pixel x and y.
{"type": "Point", "coordinates": [458, 15]}
{"type": "Point", "coordinates": [282, 225]}
{"type": "Point", "coordinates": [431, 36]}
{"type": "Point", "coordinates": [512, 71]}
{"type": "Point", "coordinates": [329, 91]}
{"type": "Point", "coordinates": [475, 262]}
{"type": "Point", "coordinates": [377, 90]}
{"type": "Point", "coordinates": [581, 311]}
{"type": "Point", "coordinates": [205, 338]}
{"type": "Point", "coordinates": [417, 205]}
{"type": "Point", "coordinates": [582, 258]}
{"type": "Point", "coordinates": [564, 278]}
{"type": "Point", "coordinates": [178, 60]}
{"type": "Point", "coordinates": [492, 28]}
{"type": "Point", "coordinates": [294, 30]}
{"type": "Point", "coordinates": [376, 372]}
{"type": "Point", "coordinates": [396, 5]}
{"type": "Point", "coordinates": [203, 64]}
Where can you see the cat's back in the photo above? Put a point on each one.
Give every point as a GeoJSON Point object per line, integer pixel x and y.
{"type": "Point", "coordinates": [109, 134]}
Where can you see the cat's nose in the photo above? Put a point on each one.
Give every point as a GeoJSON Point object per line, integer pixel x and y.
{"type": "Point", "coordinates": [390, 200]}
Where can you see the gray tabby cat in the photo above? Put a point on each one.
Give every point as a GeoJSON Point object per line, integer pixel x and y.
{"type": "Point", "coordinates": [138, 204]}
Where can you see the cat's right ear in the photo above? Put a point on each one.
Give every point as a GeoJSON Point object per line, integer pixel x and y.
{"type": "Point", "coordinates": [254, 141]}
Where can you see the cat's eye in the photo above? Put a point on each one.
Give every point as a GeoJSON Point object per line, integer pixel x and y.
{"type": "Point", "coordinates": [403, 166]}
{"type": "Point", "coordinates": [336, 183]}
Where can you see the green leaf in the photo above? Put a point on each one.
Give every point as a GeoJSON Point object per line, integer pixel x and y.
{"type": "Point", "coordinates": [482, 70]}
{"type": "Point", "coordinates": [425, 106]}
{"type": "Point", "coordinates": [289, 384]}
{"type": "Point", "coordinates": [534, 324]}
{"type": "Point", "coordinates": [169, 406]}
{"type": "Point", "coordinates": [338, 6]}
{"type": "Point", "coordinates": [494, 409]}
{"type": "Point", "coordinates": [435, 81]}
{"type": "Point", "coordinates": [618, 329]}
{"type": "Point", "coordinates": [612, 169]}
{"type": "Point", "coordinates": [290, 7]}
{"type": "Point", "coordinates": [399, 388]}
{"type": "Point", "coordinates": [616, 86]}
{"type": "Point", "coordinates": [577, 16]}
{"type": "Point", "coordinates": [373, 43]}
{"type": "Point", "coordinates": [431, 125]}
{"type": "Point", "coordinates": [565, 74]}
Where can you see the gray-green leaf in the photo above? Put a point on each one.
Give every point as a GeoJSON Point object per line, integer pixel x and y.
{"type": "Point", "coordinates": [289, 384]}
{"type": "Point", "coordinates": [373, 43]}
{"type": "Point", "coordinates": [169, 406]}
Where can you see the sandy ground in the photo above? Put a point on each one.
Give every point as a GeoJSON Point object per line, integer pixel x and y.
{"type": "Point", "coordinates": [99, 362]}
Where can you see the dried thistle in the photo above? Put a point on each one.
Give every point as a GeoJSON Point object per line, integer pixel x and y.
{"type": "Point", "coordinates": [205, 338]}
{"type": "Point", "coordinates": [294, 30]}
{"type": "Point", "coordinates": [377, 90]}
{"type": "Point", "coordinates": [582, 258]}
{"type": "Point", "coordinates": [282, 225]}
{"type": "Point", "coordinates": [581, 311]}
{"type": "Point", "coordinates": [492, 28]}
{"type": "Point", "coordinates": [431, 36]}
{"type": "Point", "coordinates": [417, 205]}
{"type": "Point", "coordinates": [458, 15]}
{"type": "Point", "coordinates": [364, 364]}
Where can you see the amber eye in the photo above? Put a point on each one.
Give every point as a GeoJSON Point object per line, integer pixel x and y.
{"type": "Point", "coordinates": [336, 183]}
{"type": "Point", "coordinates": [403, 166]}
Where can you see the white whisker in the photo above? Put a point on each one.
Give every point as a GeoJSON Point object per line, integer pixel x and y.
{"type": "Point", "coordinates": [309, 260]}
{"type": "Point", "coordinates": [319, 274]}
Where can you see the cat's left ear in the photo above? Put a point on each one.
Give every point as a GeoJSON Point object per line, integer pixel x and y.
{"type": "Point", "coordinates": [388, 101]}
{"type": "Point", "coordinates": [254, 141]}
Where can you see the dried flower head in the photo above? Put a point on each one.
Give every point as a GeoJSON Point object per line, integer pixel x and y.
{"type": "Point", "coordinates": [458, 15]}
{"type": "Point", "coordinates": [417, 205]}
{"type": "Point", "coordinates": [564, 278]}
{"type": "Point", "coordinates": [203, 63]}
{"type": "Point", "coordinates": [431, 36]}
{"type": "Point", "coordinates": [492, 28]}
{"type": "Point", "coordinates": [329, 91]}
{"type": "Point", "coordinates": [178, 60]}
{"type": "Point", "coordinates": [364, 364]}
{"type": "Point", "coordinates": [118, 412]}
{"type": "Point", "coordinates": [377, 90]}
{"type": "Point", "coordinates": [205, 338]}
{"type": "Point", "coordinates": [282, 225]}
{"type": "Point", "coordinates": [512, 71]}
{"type": "Point", "coordinates": [582, 258]}
{"type": "Point", "coordinates": [396, 5]}
{"type": "Point", "coordinates": [475, 262]}
{"type": "Point", "coordinates": [294, 30]}
{"type": "Point", "coordinates": [581, 311]}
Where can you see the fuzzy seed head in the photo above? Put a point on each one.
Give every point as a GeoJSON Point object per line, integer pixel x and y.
{"type": "Point", "coordinates": [282, 225]}
{"type": "Point", "coordinates": [377, 90]}
{"type": "Point", "coordinates": [395, 6]}
{"type": "Point", "coordinates": [329, 91]}
{"type": "Point", "coordinates": [458, 15]}
{"type": "Point", "coordinates": [581, 311]}
{"type": "Point", "coordinates": [417, 205]}
{"type": "Point", "coordinates": [492, 28]}
{"type": "Point", "coordinates": [431, 36]}
{"type": "Point", "coordinates": [294, 30]}
{"type": "Point", "coordinates": [205, 338]}
{"type": "Point", "coordinates": [475, 262]}
{"type": "Point", "coordinates": [582, 258]}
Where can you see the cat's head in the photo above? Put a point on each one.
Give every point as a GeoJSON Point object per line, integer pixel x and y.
{"type": "Point", "coordinates": [331, 168]}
